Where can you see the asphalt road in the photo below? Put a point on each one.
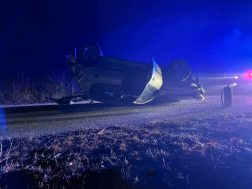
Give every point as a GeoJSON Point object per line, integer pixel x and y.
{"type": "Point", "coordinates": [57, 119]}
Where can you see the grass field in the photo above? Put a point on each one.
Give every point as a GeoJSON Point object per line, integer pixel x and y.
{"type": "Point", "coordinates": [198, 154]}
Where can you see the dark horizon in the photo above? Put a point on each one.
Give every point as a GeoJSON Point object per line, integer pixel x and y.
{"type": "Point", "coordinates": [212, 36]}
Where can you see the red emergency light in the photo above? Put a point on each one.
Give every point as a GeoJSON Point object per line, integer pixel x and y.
{"type": "Point", "coordinates": [249, 75]}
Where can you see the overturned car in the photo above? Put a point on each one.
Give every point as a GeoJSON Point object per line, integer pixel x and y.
{"type": "Point", "coordinates": [108, 79]}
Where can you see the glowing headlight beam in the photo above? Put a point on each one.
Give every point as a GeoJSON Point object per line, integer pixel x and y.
{"type": "Point", "coordinates": [236, 77]}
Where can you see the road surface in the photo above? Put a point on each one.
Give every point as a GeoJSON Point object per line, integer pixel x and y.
{"type": "Point", "coordinates": [57, 119]}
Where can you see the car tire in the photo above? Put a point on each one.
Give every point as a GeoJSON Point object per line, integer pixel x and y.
{"type": "Point", "coordinates": [89, 54]}
{"type": "Point", "coordinates": [179, 70]}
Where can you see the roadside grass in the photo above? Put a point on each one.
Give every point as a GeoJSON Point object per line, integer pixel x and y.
{"type": "Point", "coordinates": [27, 90]}
{"type": "Point", "coordinates": [199, 153]}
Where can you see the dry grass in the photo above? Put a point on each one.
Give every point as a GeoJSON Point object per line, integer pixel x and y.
{"type": "Point", "coordinates": [167, 154]}
{"type": "Point", "coordinates": [24, 90]}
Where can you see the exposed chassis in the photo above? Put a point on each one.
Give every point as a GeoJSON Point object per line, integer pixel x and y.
{"type": "Point", "coordinates": [108, 79]}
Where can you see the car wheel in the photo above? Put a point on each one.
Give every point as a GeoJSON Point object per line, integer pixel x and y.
{"type": "Point", "coordinates": [89, 54]}
{"type": "Point", "coordinates": [179, 70]}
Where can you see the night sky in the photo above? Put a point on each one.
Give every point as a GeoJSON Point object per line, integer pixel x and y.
{"type": "Point", "coordinates": [213, 36]}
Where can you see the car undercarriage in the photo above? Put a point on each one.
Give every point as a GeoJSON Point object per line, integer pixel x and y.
{"type": "Point", "coordinates": [112, 80]}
